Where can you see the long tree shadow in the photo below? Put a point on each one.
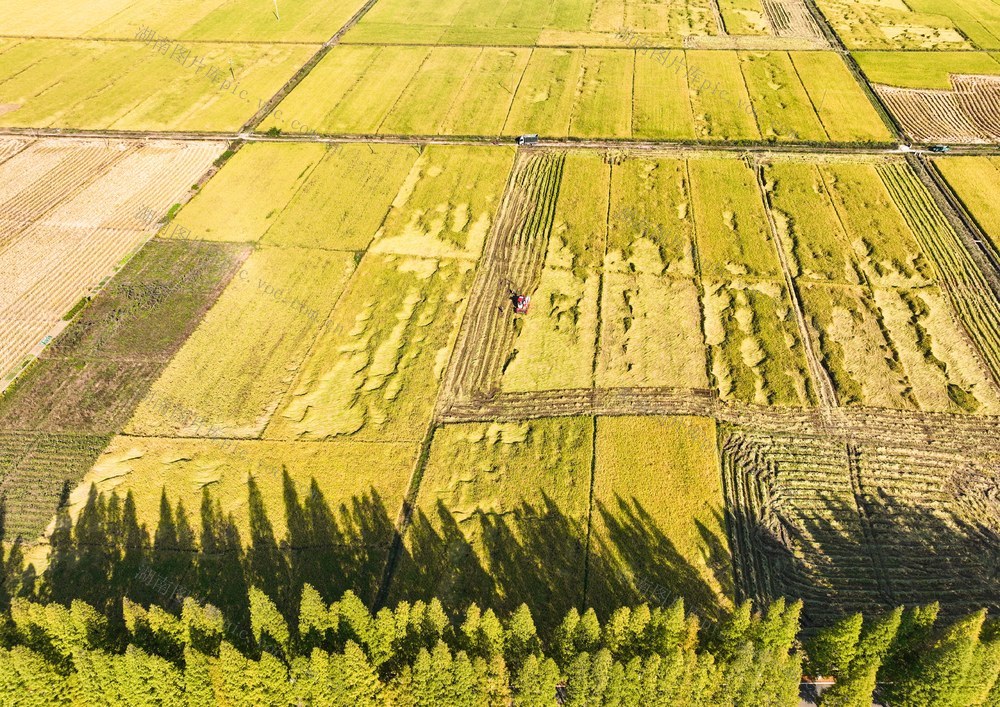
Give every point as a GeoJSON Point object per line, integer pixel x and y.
{"type": "Point", "coordinates": [897, 553]}
{"type": "Point", "coordinates": [533, 553]}
{"type": "Point", "coordinates": [634, 561]}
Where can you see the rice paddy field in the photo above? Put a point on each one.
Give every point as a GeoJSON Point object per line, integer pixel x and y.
{"type": "Point", "coordinates": [195, 20]}
{"type": "Point", "coordinates": [976, 180]}
{"type": "Point", "coordinates": [132, 85]}
{"type": "Point", "coordinates": [915, 24]}
{"type": "Point", "coordinates": [583, 93]}
{"type": "Point", "coordinates": [474, 22]}
{"type": "Point", "coordinates": [762, 360]}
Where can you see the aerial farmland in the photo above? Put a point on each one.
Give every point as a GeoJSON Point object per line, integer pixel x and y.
{"type": "Point", "coordinates": [556, 348]}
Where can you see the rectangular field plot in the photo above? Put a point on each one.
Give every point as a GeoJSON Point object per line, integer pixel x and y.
{"type": "Point", "coordinates": [976, 180]}
{"type": "Point", "coordinates": [733, 234]}
{"type": "Point", "coordinates": [886, 247]}
{"type": "Point", "coordinates": [756, 351]}
{"type": "Point", "coordinates": [661, 101]}
{"type": "Point", "coordinates": [581, 92]}
{"type": "Point", "coordinates": [862, 363]}
{"type": "Point", "coordinates": [205, 20]}
{"type": "Point", "coordinates": [373, 371]}
{"type": "Point", "coordinates": [924, 69]}
{"type": "Point", "coordinates": [444, 207]}
{"type": "Point", "coordinates": [243, 200]}
{"type": "Point", "coordinates": [650, 333]}
{"type": "Point", "coordinates": [302, 195]}
{"type": "Point", "coordinates": [562, 23]}
{"type": "Point", "coordinates": [916, 24]}
{"type": "Point", "coordinates": [658, 529]}
{"type": "Point", "coordinates": [744, 17]}
{"type": "Point", "coordinates": [845, 111]}
{"type": "Point", "coordinates": [547, 93]}
{"type": "Point", "coordinates": [71, 211]}
{"type": "Point", "coordinates": [720, 102]}
{"type": "Point", "coordinates": [129, 86]}
{"type": "Point", "coordinates": [352, 491]}
{"type": "Point", "coordinates": [848, 525]}
{"type": "Point", "coordinates": [650, 224]}
{"type": "Point", "coordinates": [554, 348]}
{"type": "Point", "coordinates": [782, 106]}
{"type": "Point", "coordinates": [501, 517]}
{"type": "Point", "coordinates": [887, 336]}
{"type": "Point", "coordinates": [276, 304]}
{"type": "Point", "coordinates": [809, 225]}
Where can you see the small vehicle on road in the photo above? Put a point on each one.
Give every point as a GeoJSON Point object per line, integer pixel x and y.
{"type": "Point", "coordinates": [527, 139]}
{"type": "Point", "coordinates": [940, 148]}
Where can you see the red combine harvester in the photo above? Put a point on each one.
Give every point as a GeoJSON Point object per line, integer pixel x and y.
{"type": "Point", "coordinates": [521, 303]}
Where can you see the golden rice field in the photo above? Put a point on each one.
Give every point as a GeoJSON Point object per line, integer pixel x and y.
{"type": "Point", "coordinates": [474, 22]}
{"type": "Point", "coordinates": [501, 516]}
{"type": "Point", "coordinates": [743, 373]}
{"type": "Point", "coordinates": [592, 92]}
{"type": "Point", "coordinates": [72, 210]}
{"type": "Point", "coordinates": [976, 180]}
{"type": "Point", "coordinates": [915, 24]}
{"type": "Point", "coordinates": [130, 85]}
{"type": "Point", "coordinates": [658, 527]}
{"type": "Point", "coordinates": [200, 20]}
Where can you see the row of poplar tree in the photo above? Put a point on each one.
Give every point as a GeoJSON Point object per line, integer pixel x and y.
{"type": "Point", "coordinates": [415, 654]}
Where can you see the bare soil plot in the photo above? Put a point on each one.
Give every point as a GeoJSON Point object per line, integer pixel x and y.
{"type": "Point", "coordinates": [72, 211]}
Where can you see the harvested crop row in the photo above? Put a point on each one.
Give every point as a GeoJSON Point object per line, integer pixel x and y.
{"type": "Point", "coordinates": [969, 290]}
{"type": "Point", "coordinates": [554, 348]}
{"type": "Point", "coordinates": [791, 18]}
{"type": "Point", "coordinates": [846, 525]}
{"type": "Point", "coordinates": [513, 258]}
{"type": "Point", "coordinates": [96, 206]}
{"type": "Point", "coordinates": [929, 115]}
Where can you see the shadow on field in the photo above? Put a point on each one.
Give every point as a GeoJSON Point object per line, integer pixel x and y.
{"type": "Point", "coordinates": [531, 554]}
{"type": "Point", "coordinates": [896, 553]}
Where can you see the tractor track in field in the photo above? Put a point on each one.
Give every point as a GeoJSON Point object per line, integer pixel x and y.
{"type": "Point", "coordinates": [512, 261]}
{"type": "Point", "coordinates": [824, 386]}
